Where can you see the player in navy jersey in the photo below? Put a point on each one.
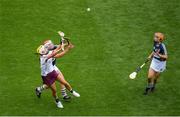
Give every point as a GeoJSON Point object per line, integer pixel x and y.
{"type": "Point", "coordinates": [158, 63]}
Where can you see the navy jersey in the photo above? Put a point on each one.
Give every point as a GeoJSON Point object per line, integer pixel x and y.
{"type": "Point", "coordinates": [54, 61]}
{"type": "Point", "coordinates": [161, 48]}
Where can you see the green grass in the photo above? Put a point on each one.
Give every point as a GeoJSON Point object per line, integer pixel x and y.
{"type": "Point", "coordinates": [110, 42]}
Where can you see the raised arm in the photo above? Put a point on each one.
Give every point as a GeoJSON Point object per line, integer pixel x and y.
{"type": "Point", "coordinates": [55, 52]}
{"type": "Point", "coordinates": [59, 55]}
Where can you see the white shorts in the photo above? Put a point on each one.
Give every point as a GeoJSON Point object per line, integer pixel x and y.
{"type": "Point", "coordinates": [57, 69]}
{"type": "Point", "coordinates": [158, 66]}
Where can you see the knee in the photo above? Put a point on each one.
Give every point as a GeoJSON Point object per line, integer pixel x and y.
{"type": "Point", "coordinates": [150, 76]}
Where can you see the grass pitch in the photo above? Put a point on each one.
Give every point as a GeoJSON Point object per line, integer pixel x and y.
{"type": "Point", "coordinates": [110, 42]}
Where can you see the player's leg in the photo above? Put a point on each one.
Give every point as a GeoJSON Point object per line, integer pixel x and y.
{"type": "Point", "coordinates": [150, 80]}
{"type": "Point", "coordinates": [63, 88]}
{"type": "Point", "coordinates": [54, 94]}
{"type": "Point", "coordinates": [67, 85]}
{"type": "Point", "coordinates": [39, 90]}
{"type": "Point", "coordinates": [54, 90]}
{"type": "Point", "coordinates": [63, 92]}
{"type": "Point", "coordinates": [157, 75]}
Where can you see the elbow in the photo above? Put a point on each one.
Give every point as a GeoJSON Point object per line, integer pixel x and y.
{"type": "Point", "coordinates": [166, 57]}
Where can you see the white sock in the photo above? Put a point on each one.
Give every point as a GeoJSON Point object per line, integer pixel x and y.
{"type": "Point", "coordinates": [41, 88]}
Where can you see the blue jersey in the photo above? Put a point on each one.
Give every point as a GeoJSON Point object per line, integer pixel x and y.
{"type": "Point", "coordinates": [54, 61]}
{"type": "Point", "coordinates": [161, 48]}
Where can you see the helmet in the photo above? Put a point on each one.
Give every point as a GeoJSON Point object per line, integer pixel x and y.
{"type": "Point", "coordinates": [42, 50]}
{"type": "Point", "coordinates": [48, 44]}
{"type": "Point", "coordinates": [159, 36]}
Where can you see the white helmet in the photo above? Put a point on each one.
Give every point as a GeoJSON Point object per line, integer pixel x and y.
{"type": "Point", "coordinates": [48, 44]}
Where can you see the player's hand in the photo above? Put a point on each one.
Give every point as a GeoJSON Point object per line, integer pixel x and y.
{"type": "Point", "coordinates": [70, 46]}
{"type": "Point", "coordinates": [62, 46]}
{"type": "Point", "coordinates": [157, 53]}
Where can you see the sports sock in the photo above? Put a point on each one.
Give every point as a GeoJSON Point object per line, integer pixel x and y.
{"type": "Point", "coordinates": [71, 90]}
{"type": "Point", "coordinates": [63, 92]}
{"type": "Point", "coordinates": [149, 86]}
{"type": "Point", "coordinates": [56, 98]}
{"type": "Point", "coordinates": [149, 80]}
{"type": "Point", "coordinates": [41, 88]}
{"type": "Point", "coordinates": [155, 81]}
{"type": "Point", "coordinates": [154, 85]}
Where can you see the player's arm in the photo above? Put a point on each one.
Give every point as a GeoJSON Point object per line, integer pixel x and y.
{"type": "Point", "coordinates": [58, 47]}
{"type": "Point", "coordinates": [55, 52]}
{"type": "Point", "coordinates": [165, 56]}
{"type": "Point", "coordinates": [162, 56]}
{"type": "Point", "coordinates": [59, 55]}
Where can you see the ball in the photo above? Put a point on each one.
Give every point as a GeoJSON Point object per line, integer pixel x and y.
{"type": "Point", "coordinates": [88, 9]}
